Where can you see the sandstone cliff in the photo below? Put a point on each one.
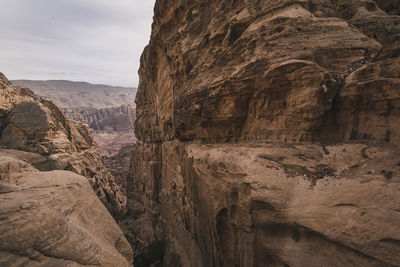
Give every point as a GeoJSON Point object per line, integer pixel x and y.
{"type": "Point", "coordinates": [49, 214]}
{"type": "Point", "coordinates": [36, 125]}
{"type": "Point", "coordinates": [269, 134]}
{"type": "Point", "coordinates": [114, 119]}
{"type": "Point", "coordinates": [112, 130]}
{"type": "Point", "coordinates": [108, 112]}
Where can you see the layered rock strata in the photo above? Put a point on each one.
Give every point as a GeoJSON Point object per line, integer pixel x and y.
{"type": "Point", "coordinates": [54, 218]}
{"type": "Point", "coordinates": [269, 135]}
{"type": "Point", "coordinates": [49, 214]}
{"type": "Point", "coordinates": [115, 119]}
{"type": "Point", "coordinates": [108, 112]}
{"type": "Point", "coordinates": [36, 125]}
{"type": "Point", "coordinates": [112, 130]}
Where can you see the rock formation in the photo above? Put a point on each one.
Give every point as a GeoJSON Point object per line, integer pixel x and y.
{"type": "Point", "coordinates": [115, 119]}
{"type": "Point", "coordinates": [112, 130]}
{"type": "Point", "coordinates": [54, 218]}
{"type": "Point", "coordinates": [36, 125]}
{"type": "Point", "coordinates": [269, 134]}
{"type": "Point", "coordinates": [49, 214]}
{"type": "Point", "coordinates": [108, 112]}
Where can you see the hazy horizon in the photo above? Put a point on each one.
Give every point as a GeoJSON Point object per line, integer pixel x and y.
{"type": "Point", "coordinates": [62, 80]}
{"type": "Point", "coordinates": [94, 41]}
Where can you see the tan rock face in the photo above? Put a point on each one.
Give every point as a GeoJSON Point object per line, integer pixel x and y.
{"type": "Point", "coordinates": [54, 219]}
{"type": "Point", "coordinates": [10, 96]}
{"type": "Point", "coordinates": [119, 119]}
{"type": "Point", "coordinates": [35, 125]}
{"type": "Point", "coordinates": [50, 216]}
{"type": "Point", "coordinates": [299, 103]}
{"type": "Point", "coordinates": [242, 75]}
{"type": "Point", "coordinates": [108, 112]}
{"type": "Point", "coordinates": [113, 131]}
{"type": "Point", "coordinates": [267, 205]}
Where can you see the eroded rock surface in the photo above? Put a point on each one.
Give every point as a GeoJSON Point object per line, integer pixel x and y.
{"type": "Point", "coordinates": [269, 204]}
{"type": "Point", "coordinates": [269, 134]}
{"type": "Point", "coordinates": [54, 218]}
{"type": "Point", "coordinates": [112, 130]}
{"type": "Point", "coordinates": [108, 112]}
{"type": "Point", "coordinates": [32, 124]}
{"type": "Point", "coordinates": [118, 119]}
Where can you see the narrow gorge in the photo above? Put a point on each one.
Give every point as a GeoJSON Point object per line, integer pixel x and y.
{"type": "Point", "coordinates": [51, 183]}
{"type": "Point", "coordinates": [108, 111]}
{"type": "Point", "coordinates": [266, 133]}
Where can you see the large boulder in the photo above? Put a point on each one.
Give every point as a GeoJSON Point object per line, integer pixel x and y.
{"type": "Point", "coordinates": [54, 219]}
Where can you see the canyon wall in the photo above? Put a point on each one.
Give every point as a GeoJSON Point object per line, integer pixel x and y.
{"type": "Point", "coordinates": [117, 119]}
{"type": "Point", "coordinates": [268, 134]}
{"type": "Point", "coordinates": [36, 125]}
{"type": "Point", "coordinates": [112, 130]}
{"type": "Point", "coordinates": [51, 180]}
{"type": "Point", "coordinates": [108, 112]}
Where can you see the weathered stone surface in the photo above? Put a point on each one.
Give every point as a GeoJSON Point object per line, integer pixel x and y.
{"type": "Point", "coordinates": [299, 103]}
{"type": "Point", "coordinates": [49, 216]}
{"type": "Point", "coordinates": [36, 125]}
{"type": "Point", "coordinates": [54, 219]}
{"type": "Point", "coordinates": [121, 118]}
{"type": "Point", "coordinates": [10, 96]}
{"type": "Point", "coordinates": [112, 130]}
{"type": "Point", "coordinates": [108, 112]}
{"type": "Point", "coordinates": [242, 74]}
{"type": "Point", "coordinates": [267, 205]}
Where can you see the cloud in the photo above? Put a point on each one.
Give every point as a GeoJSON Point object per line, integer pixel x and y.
{"type": "Point", "coordinates": [98, 41]}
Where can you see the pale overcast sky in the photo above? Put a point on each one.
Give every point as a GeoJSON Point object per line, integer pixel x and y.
{"type": "Point", "coordinates": [97, 41]}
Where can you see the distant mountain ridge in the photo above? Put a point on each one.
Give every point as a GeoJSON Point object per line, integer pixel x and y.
{"type": "Point", "coordinates": [70, 94]}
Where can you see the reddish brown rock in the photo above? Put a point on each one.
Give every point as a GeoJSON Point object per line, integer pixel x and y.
{"type": "Point", "coordinates": [268, 134]}
{"type": "Point", "coordinates": [36, 125]}
{"type": "Point", "coordinates": [112, 130]}
{"type": "Point", "coordinates": [114, 119]}
{"type": "Point", "coordinates": [53, 218]}
{"type": "Point", "coordinates": [107, 110]}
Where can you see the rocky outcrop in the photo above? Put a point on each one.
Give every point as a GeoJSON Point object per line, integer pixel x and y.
{"type": "Point", "coordinates": [107, 110]}
{"type": "Point", "coordinates": [49, 214]}
{"type": "Point", "coordinates": [112, 130]}
{"type": "Point", "coordinates": [269, 135]}
{"type": "Point", "coordinates": [36, 125]}
{"type": "Point", "coordinates": [53, 218]}
{"type": "Point", "coordinates": [115, 119]}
